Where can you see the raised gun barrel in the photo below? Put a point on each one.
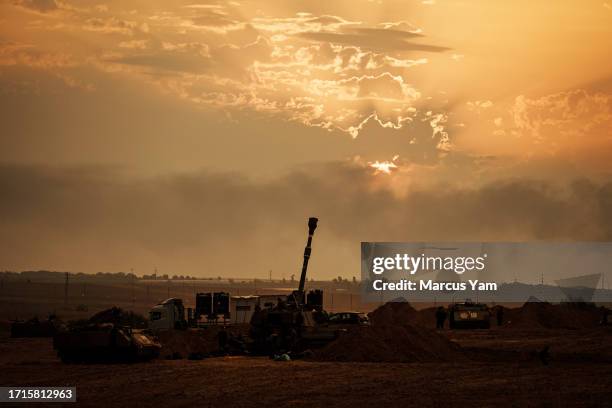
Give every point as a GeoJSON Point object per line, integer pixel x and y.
{"type": "Point", "coordinates": [312, 225]}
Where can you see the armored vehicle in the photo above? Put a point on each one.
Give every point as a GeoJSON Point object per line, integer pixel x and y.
{"type": "Point", "coordinates": [105, 343]}
{"type": "Point", "coordinates": [468, 315]}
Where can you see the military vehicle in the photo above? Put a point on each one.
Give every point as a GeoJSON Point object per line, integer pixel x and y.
{"type": "Point", "coordinates": [104, 343]}
{"type": "Point", "coordinates": [297, 321]}
{"type": "Point", "coordinates": [169, 314]}
{"type": "Point", "coordinates": [468, 315]}
{"type": "Point", "coordinates": [348, 319]}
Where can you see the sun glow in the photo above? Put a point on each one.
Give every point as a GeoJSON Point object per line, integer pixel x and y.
{"type": "Point", "coordinates": [385, 167]}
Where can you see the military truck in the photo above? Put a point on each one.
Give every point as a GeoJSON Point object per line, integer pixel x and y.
{"type": "Point", "coordinates": [469, 315]}
{"type": "Point", "coordinates": [169, 314]}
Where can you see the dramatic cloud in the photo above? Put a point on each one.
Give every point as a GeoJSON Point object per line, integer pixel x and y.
{"type": "Point", "coordinates": [435, 123]}
{"type": "Point", "coordinates": [322, 70]}
{"type": "Point", "coordinates": [113, 25]}
{"type": "Point", "coordinates": [571, 125]}
{"type": "Point", "coordinates": [573, 114]}
{"type": "Point", "coordinates": [95, 219]}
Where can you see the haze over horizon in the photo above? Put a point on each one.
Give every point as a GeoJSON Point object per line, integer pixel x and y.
{"type": "Point", "coordinates": [198, 137]}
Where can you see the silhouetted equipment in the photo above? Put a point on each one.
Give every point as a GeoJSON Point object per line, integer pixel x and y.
{"type": "Point", "coordinates": [204, 305]}
{"type": "Point", "coordinates": [170, 314]}
{"type": "Point", "coordinates": [212, 305]}
{"type": "Point", "coordinates": [314, 300]}
{"type": "Point", "coordinates": [105, 342]}
{"type": "Point", "coordinates": [293, 324]}
{"type": "Point", "coordinates": [348, 319]}
{"type": "Point", "coordinates": [299, 294]}
{"type": "Point", "coordinates": [221, 304]}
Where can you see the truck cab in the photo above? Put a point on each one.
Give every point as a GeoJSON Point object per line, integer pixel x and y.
{"type": "Point", "coordinates": [169, 314]}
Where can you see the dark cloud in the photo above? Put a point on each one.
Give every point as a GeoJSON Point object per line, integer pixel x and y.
{"type": "Point", "coordinates": [213, 18]}
{"type": "Point", "coordinates": [374, 39]}
{"type": "Point", "coordinates": [206, 223]}
{"type": "Point", "coordinates": [326, 20]}
{"type": "Point", "coordinates": [167, 61]}
{"type": "Point", "coordinates": [600, 85]}
{"type": "Point", "coordinates": [42, 6]}
{"type": "Point", "coordinates": [387, 33]}
{"type": "Point", "coordinates": [227, 60]}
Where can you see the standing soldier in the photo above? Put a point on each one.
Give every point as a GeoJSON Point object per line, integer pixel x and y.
{"type": "Point", "coordinates": [500, 316]}
{"type": "Point", "coordinates": [440, 317]}
{"type": "Point", "coordinates": [222, 338]}
{"type": "Point", "coordinates": [604, 316]}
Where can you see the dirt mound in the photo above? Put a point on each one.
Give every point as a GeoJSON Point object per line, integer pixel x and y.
{"type": "Point", "coordinates": [119, 317]}
{"type": "Point", "coordinates": [403, 313]}
{"type": "Point", "coordinates": [543, 315]}
{"type": "Point", "coordinates": [196, 343]}
{"type": "Point", "coordinates": [184, 343]}
{"type": "Point", "coordinates": [390, 343]}
{"type": "Point", "coordinates": [427, 317]}
{"type": "Point", "coordinates": [394, 313]}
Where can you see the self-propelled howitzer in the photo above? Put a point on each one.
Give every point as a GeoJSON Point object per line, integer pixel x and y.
{"type": "Point", "coordinates": [298, 295]}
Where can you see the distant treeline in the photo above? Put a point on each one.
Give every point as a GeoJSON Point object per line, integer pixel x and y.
{"type": "Point", "coordinates": [119, 276]}
{"type": "Point", "coordinates": [56, 276]}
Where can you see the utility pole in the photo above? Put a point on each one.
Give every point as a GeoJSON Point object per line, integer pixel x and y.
{"type": "Point", "coordinates": [66, 289]}
{"type": "Point", "coordinates": [133, 293]}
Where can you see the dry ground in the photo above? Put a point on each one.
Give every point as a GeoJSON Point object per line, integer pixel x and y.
{"type": "Point", "coordinates": [502, 370]}
{"type": "Point", "coordinates": [250, 381]}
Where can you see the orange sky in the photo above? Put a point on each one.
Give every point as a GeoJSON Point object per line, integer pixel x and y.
{"type": "Point", "coordinates": [102, 99]}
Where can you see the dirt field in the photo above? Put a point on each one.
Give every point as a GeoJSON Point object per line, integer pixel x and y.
{"type": "Point", "coordinates": [248, 381]}
{"type": "Point", "coordinates": [498, 367]}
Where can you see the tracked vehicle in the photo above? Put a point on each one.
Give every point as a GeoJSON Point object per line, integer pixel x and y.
{"type": "Point", "coordinates": [104, 343]}
{"type": "Point", "coordinates": [297, 321]}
